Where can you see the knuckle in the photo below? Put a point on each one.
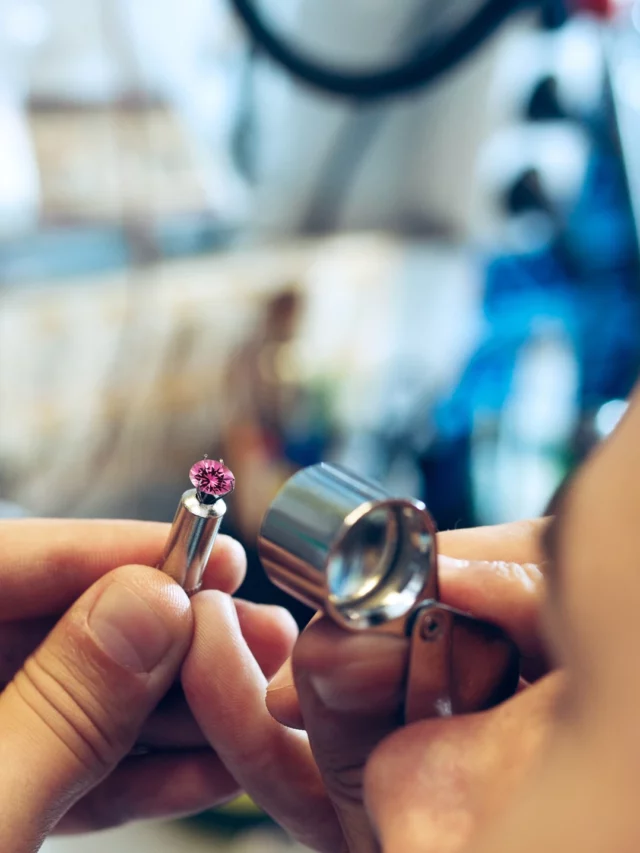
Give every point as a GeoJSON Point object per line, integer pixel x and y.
{"type": "Point", "coordinates": [345, 781]}
{"type": "Point", "coordinates": [256, 754]}
{"type": "Point", "coordinates": [342, 770]}
{"type": "Point", "coordinates": [67, 708]}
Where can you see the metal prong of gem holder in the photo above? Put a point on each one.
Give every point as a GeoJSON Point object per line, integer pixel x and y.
{"type": "Point", "coordinates": [206, 499]}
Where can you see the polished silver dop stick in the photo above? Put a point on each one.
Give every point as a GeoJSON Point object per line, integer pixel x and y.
{"type": "Point", "coordinates": [196, 524]}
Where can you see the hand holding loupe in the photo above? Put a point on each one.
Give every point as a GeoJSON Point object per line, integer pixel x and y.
{"type": "Point", "coordinates": [341, 544]}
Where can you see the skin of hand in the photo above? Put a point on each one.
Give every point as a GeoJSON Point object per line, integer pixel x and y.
{"type": "Point", "coordinates": [554, 768]}
{"type": "Point", "coordinates": [90, 656]}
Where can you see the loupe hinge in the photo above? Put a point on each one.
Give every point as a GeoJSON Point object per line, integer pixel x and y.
{"type": "Point", "coordinates": [429, 673]}
{"type": "Point", "coordinates": [457, 664]}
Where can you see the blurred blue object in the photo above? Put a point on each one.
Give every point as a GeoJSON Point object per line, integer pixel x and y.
{"type": "Point", "coordinates": [586, 282]}
{"type": "Point", "coordinates": [12, 510]}
{"type": "Point", "coordinates": [583, 286]}
{"type": "Point", "coordinates": [599, 228]}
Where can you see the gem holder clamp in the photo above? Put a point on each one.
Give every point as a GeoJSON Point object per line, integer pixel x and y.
{"type": "Point", "coordinates": [194, 531]}
{"type": "Point", "coordinates": [196, 524]}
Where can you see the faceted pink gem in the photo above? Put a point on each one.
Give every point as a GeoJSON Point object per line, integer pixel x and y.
{"type": "Point", "coordinates": [212, 478]}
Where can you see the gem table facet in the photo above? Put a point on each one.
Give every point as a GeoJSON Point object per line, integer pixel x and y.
{"type": "Point", "coordinates": [212, 478]}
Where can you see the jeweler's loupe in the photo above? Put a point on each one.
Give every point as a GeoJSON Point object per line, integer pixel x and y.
{"type": "Point", "coordinates": [338, 542]}
{"type": "Point", "coordinates": [343, 545]}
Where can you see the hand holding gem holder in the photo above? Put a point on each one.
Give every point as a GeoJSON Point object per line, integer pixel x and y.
{"type": "Point", "coordinates": [343, 545]}
{"type": "Point", "coordinates": [196, 524]}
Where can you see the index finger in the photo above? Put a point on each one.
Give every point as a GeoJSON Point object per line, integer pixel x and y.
{"type": "Point", "coordinates": [46, 564]}
{"type": "Point", "coordinates": [516, 542]}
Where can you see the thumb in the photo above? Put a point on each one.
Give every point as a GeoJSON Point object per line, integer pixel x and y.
{"type": "Point", "coordinates": [75, 709]}
{"type": "Point", "coordinates": [350, 688]}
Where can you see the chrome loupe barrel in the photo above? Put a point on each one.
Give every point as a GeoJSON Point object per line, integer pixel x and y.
{"type": "Point", "coordinates": [341, 543]}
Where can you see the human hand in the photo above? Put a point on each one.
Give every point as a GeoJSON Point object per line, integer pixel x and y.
{"type": "Point", "coordinates": [79, 688]}
{"type": "Point", "coordinates": [348, 694]}
{"type": "Point", "coordinates": [555, 768]}
{"type": "Point", "coordinates": [572, 784]}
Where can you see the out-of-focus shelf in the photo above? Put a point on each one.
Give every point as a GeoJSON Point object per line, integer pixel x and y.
{"type": "Point", "coordinates": [135, 361]}
{"type": "Point", "coordinates": [115, 162]}
{"type": "Point", "coordinates": [110, 185]}
{"type": "Point", "coordinates": [57, 252]}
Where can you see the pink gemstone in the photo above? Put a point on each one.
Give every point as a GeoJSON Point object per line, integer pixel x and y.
{"type": "Point", "coordinates": [212, 478]}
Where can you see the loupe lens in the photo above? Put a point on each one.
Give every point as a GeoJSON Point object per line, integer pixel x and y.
{"type": "Point", "coordinates": [380, 566]}
{"type": "Point", "coordinates": [365, 557]}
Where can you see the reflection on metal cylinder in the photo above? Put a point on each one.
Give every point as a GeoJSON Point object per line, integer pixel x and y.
{"type": "Point", "coordinates": [191, 540]}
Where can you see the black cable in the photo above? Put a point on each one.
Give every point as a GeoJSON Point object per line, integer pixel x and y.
{"type": "Point", "coordinates": [354, 140]}
{"type": "Point", "coordinates": [419, 69]}
{"type": "Point", "coordinates": [554, 14]}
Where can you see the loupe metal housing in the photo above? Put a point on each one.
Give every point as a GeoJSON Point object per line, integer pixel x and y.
{"type": "Point", "coordinates": [342, 544]}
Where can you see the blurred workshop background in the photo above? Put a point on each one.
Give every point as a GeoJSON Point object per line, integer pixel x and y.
{"type": "Point", "coordinates": [430, 275]}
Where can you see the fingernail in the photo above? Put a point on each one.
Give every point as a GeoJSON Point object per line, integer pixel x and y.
{"type": "Point", "coordinates": [371, 679]}
{"type": "Point", "coordinates": [128, 630]}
